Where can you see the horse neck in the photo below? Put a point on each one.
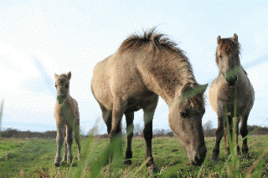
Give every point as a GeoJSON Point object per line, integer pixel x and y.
{"type": "Point", "coordinates": [169, 76]}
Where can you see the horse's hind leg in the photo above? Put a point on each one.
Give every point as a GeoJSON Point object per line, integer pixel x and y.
{"type": "Point", "coordinates": [130, 127]}
{"type": "Point", "coordinates": [77, 138]}
{"type": "Point", "coordinates": [244, 132]}
{"type": "Point", "coordinates": [116, 139]}
{"type": "Point", "coordinates": [107, 117]}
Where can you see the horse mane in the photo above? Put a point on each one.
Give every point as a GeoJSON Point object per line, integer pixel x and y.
{"type": "Point", "coordinates": [158, 40]}
{"type": "Point", "coordinates": [228, 46]}
{"type": "Point", "coordinates": [161, 43]}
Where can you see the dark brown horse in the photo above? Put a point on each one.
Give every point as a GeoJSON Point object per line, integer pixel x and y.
{"type": "Point", "coordinates": [230, 92]}
{"type": "Point", "coordinates": [145, 67]}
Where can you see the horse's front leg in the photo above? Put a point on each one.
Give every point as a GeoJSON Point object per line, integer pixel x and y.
{"type": "Point", "coordinates": [148, 135]}
{"type": "Point", "coordinates": [244, 132]}
{"type": "Point", "coordinates": [237, 120]}
{"type": "Point", "coordinates": [59, 140]}
{"type": "Point", "coordinates": [219, 135]}
{"type": "Point", "coordinates": [130, 127]}
{"type": "Point", "coordinates": [65, 146]}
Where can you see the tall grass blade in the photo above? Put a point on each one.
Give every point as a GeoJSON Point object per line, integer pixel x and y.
{"type": "Point", "coordinates": [1, 115]}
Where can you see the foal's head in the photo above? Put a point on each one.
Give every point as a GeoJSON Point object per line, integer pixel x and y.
{"type": "Point", "coordinates": [62, 86]}
{"type": "Point", "coordinates": [227, 58]}
{"type": "Point", "coordinates": [185, 120]}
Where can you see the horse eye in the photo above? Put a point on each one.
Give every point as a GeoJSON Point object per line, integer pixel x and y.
{"type": "Point", "coordinates": [184, 114]}
{"type": "Point", "coordinates": [67, 86]}
{"type": "Point", "coordinates": [220, 56]}
{"type": "Point", "coordinates": [55, 85]}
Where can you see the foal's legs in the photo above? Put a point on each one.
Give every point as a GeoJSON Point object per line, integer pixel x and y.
{"type": "Point", "coordinates": [130, 127]}
{"type": "Point", "coordinates": [69, 140]}
{"type": "Point", "coordinates": [244, 132]}
{"type": "Point", "coordinates": [65, 145]}
{"type": "Point", "coordinates": [60, 140]}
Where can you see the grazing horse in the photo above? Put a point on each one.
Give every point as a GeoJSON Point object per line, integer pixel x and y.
{"type": "Point", "coordinates": [231, 95]}
{"type": "Point", "coordinates": [145, 67]}
{"type": "Point", "coordinates": [67, 119]}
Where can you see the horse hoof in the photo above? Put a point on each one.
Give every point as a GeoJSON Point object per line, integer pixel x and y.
{"type": "Point", "coordinates": [56, 164]}
{"type": "Point", "coordinates": [245, 157]}
{"type": "Point", "coordinates": [127, 162]}
{"type": "Point", "coordinates": [153, 169]}
{"type": "Point", "coordinates": [214, 158]}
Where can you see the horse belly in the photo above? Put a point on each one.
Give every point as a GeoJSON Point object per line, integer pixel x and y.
{"type": "Point", "coordinates": [141, 101]}
{"type": "Point", "coordinates": [213, 96]}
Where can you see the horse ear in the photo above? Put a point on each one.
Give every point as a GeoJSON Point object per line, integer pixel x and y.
{"type": "Point", "coordinates": [69, 75]}
{"type": "Point", "coordinates": [235, 38]}
{"type": "Point", "coordinates": [218, 39]}
{"type": "Point", "coordinates": [202, 88]}
{"type": "Point", "coordinates": [55, 75]}
{"type": "Point", "coordinates": [189, 90]}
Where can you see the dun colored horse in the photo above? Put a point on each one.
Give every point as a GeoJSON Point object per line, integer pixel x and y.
{"type": "Point", "coordinates": [230, 93]}
{"type": "Point", "coordinates": [67, 119]}
{"type": "Point", "coordinates": [145, 67]}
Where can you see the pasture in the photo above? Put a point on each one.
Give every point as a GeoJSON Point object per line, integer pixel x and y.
{"type": "Point", "coordinates": [34, 158]}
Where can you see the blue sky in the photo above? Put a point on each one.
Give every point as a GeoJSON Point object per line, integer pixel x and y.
{"type": "Point", "coordinates": [75, 35]}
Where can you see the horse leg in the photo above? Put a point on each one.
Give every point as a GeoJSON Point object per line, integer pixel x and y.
{"type": "Point", "coordinates": [130, 127]}
{"type": "Point", "coordinates": [244, 132]}
{"type": "Point", "coordinates": [226, 140]}
{"type": "Point", "coordinates": [107, 117]}
{"type": "Point", "coordinates": [77, 138]}
{"type": "Point", "coordinates": [69, 140]}
{"type": "Point", "coordinates": [65, 146]}
{"type": "Point", "coordinates": [116, 138]}
{"type": "Point", "coordinates": [219, 135]}
{"type": "Point", "coordinates": [59, 140]}
{"type": "Point", "coordinates": [237, 120]}
{"type": "Point", "coordinates": [148, 135]}
{"type": "Point", "coordinates": [227, 152]}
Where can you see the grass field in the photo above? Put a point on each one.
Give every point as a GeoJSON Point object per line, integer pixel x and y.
{"type": "Point", "coordinates": [34, 158]}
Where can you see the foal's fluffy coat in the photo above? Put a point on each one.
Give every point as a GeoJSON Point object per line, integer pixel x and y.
{"type": "Point", "coordinates": [67, 119]}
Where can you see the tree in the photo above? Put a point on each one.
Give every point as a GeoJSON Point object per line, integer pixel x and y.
{"type": "Point", "coordinates": [137, 130]}
{"type": "Point", "coordinates": [207, 127]}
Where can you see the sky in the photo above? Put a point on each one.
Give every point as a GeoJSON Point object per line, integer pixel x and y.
{"type": "Point", "coordinates": [41, 37]}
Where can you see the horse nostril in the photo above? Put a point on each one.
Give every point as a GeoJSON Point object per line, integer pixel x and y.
{"type": "Point", "coordinates": [232, 81]}
{"type": "Point", "coordinates": [200, 156]}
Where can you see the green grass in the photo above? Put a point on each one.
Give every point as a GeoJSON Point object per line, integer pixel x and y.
{"type": "Point", "coordinates": [34, 158]}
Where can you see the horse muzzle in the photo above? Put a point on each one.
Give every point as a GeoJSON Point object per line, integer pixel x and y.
{"type": "Point", "coordinates": [198, 157]}
{"type": "Point", "coordinates": [61, 98]}
{"type": "Point", "coordinates": [231, 81]}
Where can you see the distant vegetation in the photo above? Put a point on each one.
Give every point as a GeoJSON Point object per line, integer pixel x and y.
{"type": "Point", "coordinates": [138, 132]}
